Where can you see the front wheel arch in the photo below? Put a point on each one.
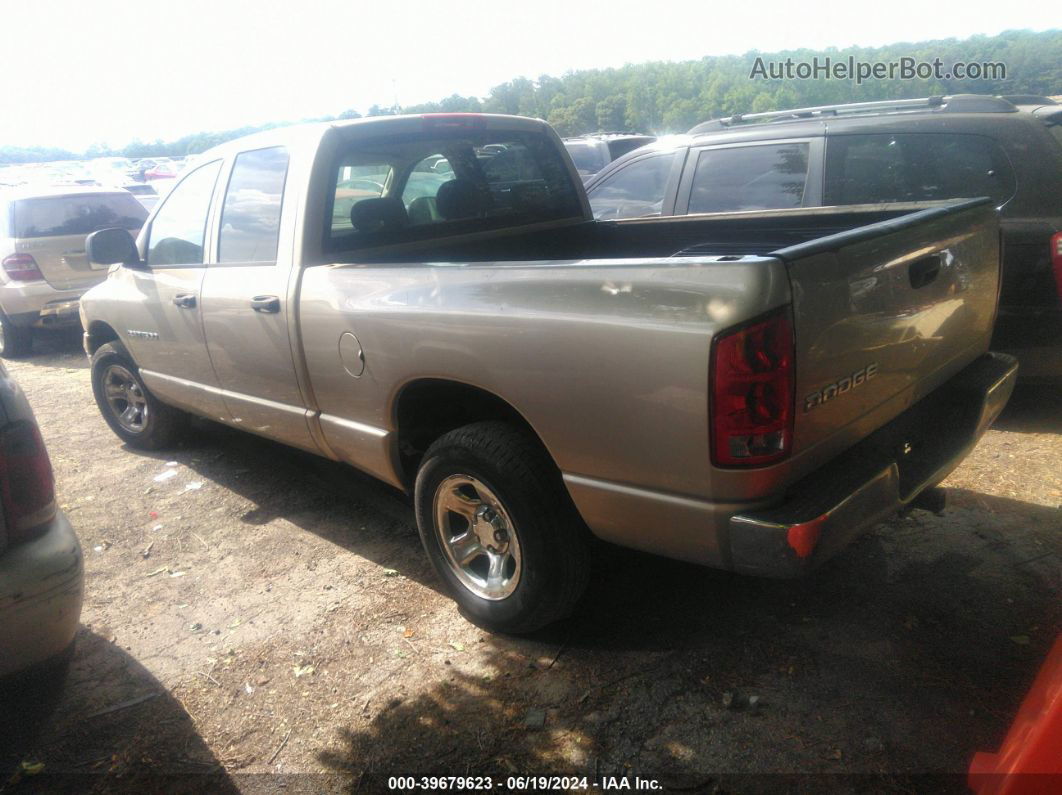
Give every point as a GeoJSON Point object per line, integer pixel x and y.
{"type": "Point", "coordinates": [159, 425]}
{"type": "Point", "coordinates": [100, 333]}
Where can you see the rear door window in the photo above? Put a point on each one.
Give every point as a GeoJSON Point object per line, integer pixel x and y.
{"type": "Point", "coordinates": [762, 177]}
{"type": "Point", "coordinates": [896, 167]}
{"type": "Point", "coordinates": [636, 190]}
{"type": "Point", "coordinates": [179, 228]}
{"type": "Point", "coordinates": [53, 216]}
{"type": "Point", "coordinates": [250, 217]}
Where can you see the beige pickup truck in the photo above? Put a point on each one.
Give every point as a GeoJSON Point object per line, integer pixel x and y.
{"type": "Point", "coordinates": [429, 300]}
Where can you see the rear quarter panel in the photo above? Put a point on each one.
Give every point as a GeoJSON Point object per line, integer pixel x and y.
{"type": "Point", "coordinates": [607, 360]}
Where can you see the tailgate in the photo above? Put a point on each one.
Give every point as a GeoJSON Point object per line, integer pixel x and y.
{"type": "Point", "coordinates": [884, 314]}
{"type": "Point", "coordinates": [62, 261]}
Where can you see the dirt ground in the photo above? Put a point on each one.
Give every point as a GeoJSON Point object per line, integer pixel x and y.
{"type": "Point", "coordinates": [262, 621]}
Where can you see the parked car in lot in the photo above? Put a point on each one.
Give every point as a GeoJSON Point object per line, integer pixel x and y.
{"type": "Point", "coordinates": [141, 166]}
{"type": "Point", "coordinates": [898, 151]}
{"type": "Point", "coordinates": [144, 193]}
{"type": "Point", "coordinates": [161, 171]}
{"type": "Point", "coordinates": [43, 267]}
{"type": "Point", "coordinates": [591, 153]}
{"type": "Point", "coordinates": [41, 570]}
{"type": "Point", "coordinates": [747, 393]}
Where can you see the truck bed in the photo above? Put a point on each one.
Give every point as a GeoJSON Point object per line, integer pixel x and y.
{"type": "Point", "coordinates": [661, 289]}
{"type": "Point", "coordinates": [718, 234]}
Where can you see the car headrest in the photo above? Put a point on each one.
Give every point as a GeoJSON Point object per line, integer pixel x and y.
{"type": "Point", "coordinates": [458, 198]}
{"type": "Point", "coordinates": [376, 216]}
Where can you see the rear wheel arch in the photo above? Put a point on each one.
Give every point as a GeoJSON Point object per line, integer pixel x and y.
{"type": "Point", "coordinates": [425, 409]}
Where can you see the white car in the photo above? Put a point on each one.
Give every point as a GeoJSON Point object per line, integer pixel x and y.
{"type": "Point", "coordinates": [41, 569]}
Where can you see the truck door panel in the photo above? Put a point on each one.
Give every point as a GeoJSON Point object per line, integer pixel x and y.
{"type": "Point", "coordinates": [162, 324]}
{"type": "Point", "coordinates": [246, 304]}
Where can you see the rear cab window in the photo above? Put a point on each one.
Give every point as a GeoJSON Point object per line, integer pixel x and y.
{"type": "Point", "coordinates": [900, 167]}
{"type": "Point", "coordinates": [54, 216]}
{"type": "Point", "coordinates": [769, 176]}
{"type": "Point", "coordinates": [444, 182]}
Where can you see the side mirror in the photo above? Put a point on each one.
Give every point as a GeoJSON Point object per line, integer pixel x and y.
{"type": "Point", "coordinates": [111, 246]}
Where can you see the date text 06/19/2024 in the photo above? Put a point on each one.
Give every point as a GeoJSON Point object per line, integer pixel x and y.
{"type": "Point", "coordinates": [524, 783]}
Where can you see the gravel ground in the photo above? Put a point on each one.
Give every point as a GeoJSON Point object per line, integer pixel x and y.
{"type": "Point", "coordinates": [260, 620]}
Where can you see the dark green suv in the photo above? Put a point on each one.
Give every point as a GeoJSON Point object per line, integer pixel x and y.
{"type": "Point", "coordinates": [1008, 148]}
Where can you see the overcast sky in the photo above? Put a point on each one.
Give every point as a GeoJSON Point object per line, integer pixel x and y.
{"type": "Point", "coordinates": [109, 71]}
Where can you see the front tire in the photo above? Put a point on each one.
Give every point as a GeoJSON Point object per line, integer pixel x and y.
{"type": "Point", "coordinates": [133, 413]}
{"type": "Point", "coordinates": [15, 341]}
{"type": "Point", "coordinates": [500, 529]}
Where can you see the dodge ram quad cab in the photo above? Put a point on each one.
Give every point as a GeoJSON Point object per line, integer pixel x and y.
{"type": "Point", "coordinates": [744, 392]}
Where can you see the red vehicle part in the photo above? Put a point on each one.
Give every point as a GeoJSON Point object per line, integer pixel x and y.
{"type": "Point", "coordinates": [1030, 759]}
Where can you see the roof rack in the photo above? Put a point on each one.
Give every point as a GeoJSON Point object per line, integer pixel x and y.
{"type": "Point", "coordinates": [1028, 99]}
{"type": "Point", "coordinates": [603, 133]}
{"type": "Point", "coordinates": [959, 103]}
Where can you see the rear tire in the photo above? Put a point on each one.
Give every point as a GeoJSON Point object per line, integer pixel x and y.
{"type": "Point", "coordinates": [15, 341]}
{"type": "Point", "coordinates": [134, 414]}
{"type": "Point", "coordinates": [488, 494]}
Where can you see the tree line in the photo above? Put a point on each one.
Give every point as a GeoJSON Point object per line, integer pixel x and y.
{"type": "Point", "coordinates": [666, 97]}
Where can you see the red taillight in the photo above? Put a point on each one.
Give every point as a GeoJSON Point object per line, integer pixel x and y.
{"type": "Point", "coordinates": [1056, 261]}
{"type": "Point", "coordinates": [21, 268]}
{"type": "Point", "coordinates": [27, 487]}
{"type": "Point", "coordinates": [752, 393]}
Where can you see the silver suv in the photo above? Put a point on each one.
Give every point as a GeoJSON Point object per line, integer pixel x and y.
{"type": "Point", "coordinates": [43, 268]}
{"type": "Point", "coordinates": [907, 150]}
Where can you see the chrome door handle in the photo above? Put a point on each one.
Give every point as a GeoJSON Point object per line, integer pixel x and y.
{"type": "Point", "coordinates": [268, 304]}
{"type": "Point", "coordinates": [185, 300]}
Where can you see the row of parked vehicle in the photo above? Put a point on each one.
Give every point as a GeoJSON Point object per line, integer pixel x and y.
{"type": "Point", "coordinates": [107, 171]}
{"type": "Point", "coordinates": [921, 150]}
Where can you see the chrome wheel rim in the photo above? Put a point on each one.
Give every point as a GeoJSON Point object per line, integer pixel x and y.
{"type": "Point", "coordinates": [125, 398]}
{"type": "Point", "coordinates": [477, 537]}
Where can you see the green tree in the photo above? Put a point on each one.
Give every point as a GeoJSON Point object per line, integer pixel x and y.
{"type": "Point", "coordinates": [663, 97]}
